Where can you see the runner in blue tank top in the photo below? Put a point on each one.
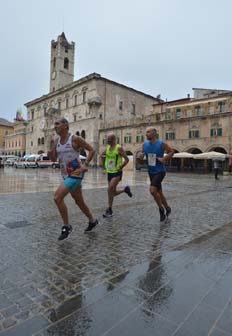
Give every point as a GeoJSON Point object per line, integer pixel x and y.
{"type": "Point", "coordinates": [154, 150]}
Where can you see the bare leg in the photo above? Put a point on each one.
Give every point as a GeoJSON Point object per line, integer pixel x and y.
{"type": "Point", "coordinates": [156, 195]}
{"type": "Point", "coordinates": [59, 196]}
{"type": "Point", "coordinates": [163, 199]}
{"type": "Point", "coordinates": [78, 198]}
{"type": "Point", "coordinates": [112, 190]}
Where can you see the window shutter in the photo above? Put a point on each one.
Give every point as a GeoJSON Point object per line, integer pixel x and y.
{"type": "Point", "coordinates": [190, 135]}
{"type": "Point", "coordinates": [219, 131]}
{"type": "Point", "coordinates": [211, 132]}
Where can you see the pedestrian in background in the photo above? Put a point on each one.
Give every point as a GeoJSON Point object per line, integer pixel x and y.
{"type": "Point", "coordinates": [216, 169]}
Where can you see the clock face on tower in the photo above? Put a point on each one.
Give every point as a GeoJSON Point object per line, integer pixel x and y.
{"type": "Point", "coordinates": [54, 75]}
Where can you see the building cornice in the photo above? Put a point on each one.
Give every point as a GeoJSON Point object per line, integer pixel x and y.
{"type": "Point", "coordinates": [83, 80]}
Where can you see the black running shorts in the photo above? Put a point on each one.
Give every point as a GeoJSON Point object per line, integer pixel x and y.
{"type": "Point", "coordinates": [156, 179]}
{"type": "Point", "coordinates": [110, 176]}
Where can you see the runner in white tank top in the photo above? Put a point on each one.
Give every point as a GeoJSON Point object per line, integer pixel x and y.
{"type": "Point", "coordinates": [66, 149]}
{"type": "Point", "coordinates": [69, 158]}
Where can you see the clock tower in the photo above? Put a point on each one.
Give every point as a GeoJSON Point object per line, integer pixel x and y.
{"type": "Point", "coordinates": [62, 63]}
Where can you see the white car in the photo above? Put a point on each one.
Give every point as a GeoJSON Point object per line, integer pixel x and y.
{"type": "Point", "coordinates": [20, 163]}
{"type": "Point", "coordinates": [44, 162]}
{"type": "Point", "coordinates": [10, 161]}
{"type": "Point", "coordinates": [31, 161]}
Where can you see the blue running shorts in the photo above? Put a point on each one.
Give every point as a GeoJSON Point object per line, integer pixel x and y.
{"type": "Point", "coordinates": [72, 183]}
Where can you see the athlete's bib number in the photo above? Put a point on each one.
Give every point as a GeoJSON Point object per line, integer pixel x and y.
{"type": "Point", "coordinates": [111, 165]}
{"type": "Point", "coordinates": [151, 159]}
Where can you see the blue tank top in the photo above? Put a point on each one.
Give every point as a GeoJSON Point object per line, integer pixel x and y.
{"type": "Point", "coordinates": [152, 151]}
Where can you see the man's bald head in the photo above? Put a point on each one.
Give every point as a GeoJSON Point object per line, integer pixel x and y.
{"type": "Point", "coordinates": [151, 133]}
{"type": "Point", "coordinates": [111, 138]}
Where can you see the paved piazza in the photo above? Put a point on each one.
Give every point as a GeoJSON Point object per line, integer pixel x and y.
{"type": "Point", "coordinates": [131, 275]}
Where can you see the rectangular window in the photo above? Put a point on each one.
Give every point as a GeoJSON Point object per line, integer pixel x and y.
{"type": "Point", "coordinates": [189, 113]}
{"type": "Point", "coordinates": [194, 134]}
{"type": "Point", "coordinates": [84, 97]}
{"type": "Point", "coordinates": [133, 108]}
{"type": "Point", "coordinates": [198, 111]}
{"type": "Point", "coordinates": [75, 100]}
{"type": "Point", "coordinates": [215, 132]}
{"type": "Point", "coordinates": [139, 138]}
{"type": "Point", "coordinates": [120, 105]}
{"type": "Point", "coordinates": [127, 139]}
{"type": "Point", "coordinates": [170, 135]}
{"type": "Point", "coordinates": [168, 115]}
{"type": "Point", "coordinates": [178, 113]}
{"type": "Point", "coordinates": [59, 106]}
{"type": "Point", "coordinates": [32, 114]}
{"type": "Point", "coordinates": [67, 102]}
{"type": "Point", "coordinates": [222, 106]}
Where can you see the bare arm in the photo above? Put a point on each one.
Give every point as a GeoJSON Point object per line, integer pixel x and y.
{"type": "Point", "coordinates": [142, 153]}
{"type": "Point", "coordinates": [125, 157]}
{"type": "Point", "coordinates": [102, 158]}
{"type": "Point", "coordinates": [169, 151]}
{"type": "Point", "coordinates": [79, 142]}
{"type": "Point", "coordinates": [52, 154]}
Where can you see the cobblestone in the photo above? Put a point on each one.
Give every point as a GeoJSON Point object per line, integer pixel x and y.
{"type": "Point", "coordinates": [127, 265]}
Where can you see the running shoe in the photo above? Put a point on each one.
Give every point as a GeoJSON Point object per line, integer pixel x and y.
{"type": "Point", "coordinates": [162, 214]}
{"type": "Point", "coordinates": [66, 230]}
{"type": "Point", "coordinates": [108, 213]}
{"type": "Point", "coordinates": [128, 191]}
{"type": "Point", "coordinates": [168, 211]}
{"type": "Point", "coordinates": [91, 225]}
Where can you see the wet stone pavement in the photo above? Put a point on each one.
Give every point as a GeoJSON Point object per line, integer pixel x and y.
{"type": "Point", "coordinates": [131, 275]}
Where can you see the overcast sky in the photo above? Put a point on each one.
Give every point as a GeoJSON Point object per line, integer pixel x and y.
{"type": "Point", "coordinates": [162, 47]}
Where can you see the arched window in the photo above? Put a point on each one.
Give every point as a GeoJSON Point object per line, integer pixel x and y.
{"type": "Point", "coordinates": [83, 134]}
{"type": "Point", "coordinates": [38, 141]}
{"type": "Point", "coordinates": [66, 63]}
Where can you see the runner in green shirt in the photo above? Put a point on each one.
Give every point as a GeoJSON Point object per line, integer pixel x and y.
{"type": "Point", "coordinates": [113, 166]}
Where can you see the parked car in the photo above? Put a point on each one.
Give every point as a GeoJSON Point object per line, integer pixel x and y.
{"type": "Point", "coordinates": [10, 161]}
{"type": "Point", "coordinates": [31, 161]}
{"type": "Point", "coordinates": [44, 162]}
{"type": "Point", "coordinates": [20, 163]}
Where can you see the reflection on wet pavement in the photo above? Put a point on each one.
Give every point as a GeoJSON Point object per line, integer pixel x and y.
{"type": "Point", "coordinates": [132, 275]}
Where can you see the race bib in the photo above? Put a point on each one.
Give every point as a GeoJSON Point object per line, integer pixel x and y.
{"type": "Point", "coordinates": [151, 159]}
{"type": "Point", "coordinates": [111, 165]}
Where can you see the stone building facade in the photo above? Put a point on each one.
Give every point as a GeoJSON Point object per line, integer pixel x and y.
{"type": "Point", "coordinates": [6, 127]}
{"type": "Point", "coordinates": [89, 103]}
{"type": "Point", "coordinates": [199, 124]}
{"type": "Point", "coordinates": [15, 142]}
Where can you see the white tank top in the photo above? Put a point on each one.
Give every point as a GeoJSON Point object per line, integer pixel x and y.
{"type": "Point", "coordinates": [69, 158]}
